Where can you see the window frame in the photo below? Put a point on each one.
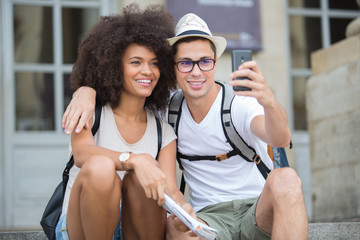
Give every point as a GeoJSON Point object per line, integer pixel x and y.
{"type": "Point", "coordinates": [13, 141]}
{"type": "Point", "coordinates": [57, 67]}
{"type": "Point", "coordinates": [324, 13]}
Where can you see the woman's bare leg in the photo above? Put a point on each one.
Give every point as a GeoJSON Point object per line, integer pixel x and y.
{"type": "Point", "coordinates": [141, 217]}
{"type": "Point", "coordinates": [94, 204]}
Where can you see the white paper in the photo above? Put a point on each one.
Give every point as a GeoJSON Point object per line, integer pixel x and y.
{"type": "Point", "coordinates": [194, 225]}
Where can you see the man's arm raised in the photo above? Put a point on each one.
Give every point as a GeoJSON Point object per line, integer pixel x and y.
{"type": "Point", "coordinates": [273, 127]}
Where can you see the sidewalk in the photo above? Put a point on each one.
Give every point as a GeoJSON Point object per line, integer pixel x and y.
{"type": "Point", "coordinates": [317, 231]}
{"type": "Point", "coordinates": [334, 231]}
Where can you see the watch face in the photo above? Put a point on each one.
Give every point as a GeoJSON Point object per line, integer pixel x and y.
{"type": "Point", "coordinates": [124, 156]}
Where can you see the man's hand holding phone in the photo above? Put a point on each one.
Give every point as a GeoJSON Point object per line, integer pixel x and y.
{"type": "Point", "coordinates": [238, 57]}
{"type": "Point", "coordinates": [259, 88]}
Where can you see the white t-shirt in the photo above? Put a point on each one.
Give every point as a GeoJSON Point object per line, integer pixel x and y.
{"type": "Point", "coordinates": [212, 182]}
{"type": "Point", "coordinates": [108, 136]}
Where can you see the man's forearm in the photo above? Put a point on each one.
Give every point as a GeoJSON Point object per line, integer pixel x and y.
{"type": "Point", "coordinates": [276, 126]}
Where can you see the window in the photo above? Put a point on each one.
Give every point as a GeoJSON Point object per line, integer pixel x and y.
{"type": "Point", "coordinates": [46, 35]}
{"type": "Point", "coordinates": [313, 24]}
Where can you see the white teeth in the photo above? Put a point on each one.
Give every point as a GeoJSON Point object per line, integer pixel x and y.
{"type": "Point", "coordinates": [195, 83]}
{"type": "Point", "coordinates": [143, 81]}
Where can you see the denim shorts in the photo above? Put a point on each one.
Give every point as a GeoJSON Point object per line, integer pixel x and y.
{"type": "Point", "coordinates": [62, 231]}
{"type": "Point", "coordinates": [233, 220]}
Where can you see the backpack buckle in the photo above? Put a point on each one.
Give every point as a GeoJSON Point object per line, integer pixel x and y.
{"type": "Point", "coordinates": [221, 157]}
{"type": "Point", "coordinates": [257, 159]}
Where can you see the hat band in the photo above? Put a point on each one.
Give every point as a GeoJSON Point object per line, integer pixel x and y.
{"type": "Point", "coordinates": [191, 32]}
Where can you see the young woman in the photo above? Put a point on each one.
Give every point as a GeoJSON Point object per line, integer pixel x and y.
{"type": "Point", "coordinates": [125, 58]}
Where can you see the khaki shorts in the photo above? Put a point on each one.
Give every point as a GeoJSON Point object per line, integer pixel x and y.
{"type": "Point", "coordinates": [233, 220]}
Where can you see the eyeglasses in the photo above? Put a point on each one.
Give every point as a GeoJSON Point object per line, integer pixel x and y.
{"type": "Point", "coordinates": [186, 66]}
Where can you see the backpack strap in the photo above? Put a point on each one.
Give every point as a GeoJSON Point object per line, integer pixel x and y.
{"type": "Point", "coordinates": [94, 129]}
{"type": "Point", "coordinates": [174, 114]}
{"type": "Point", "coordinates": [173, 119]}
{"type": "Point", "coordinates": [159, 135]}
{"type": "Point", "coordinates": [235, 140]}
{"type": "Point", "coordinates": [175, 109]}
{"type": "Point", "coordinates": [96, 124]}
{"type": "Point", "coordinates": [238, 144]}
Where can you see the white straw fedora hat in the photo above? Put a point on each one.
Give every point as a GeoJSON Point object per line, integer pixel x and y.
{"type": "Point", "coordinates": [191, 25]}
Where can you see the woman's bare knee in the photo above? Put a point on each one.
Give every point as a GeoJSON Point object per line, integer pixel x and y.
{"type": "Point", "coordinates": [96, 185]}
{"type": "Point", "coordinates": [99, 173]}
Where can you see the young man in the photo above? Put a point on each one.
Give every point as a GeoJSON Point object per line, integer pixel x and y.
{"type": "Point", "coordinates": [230, 195]}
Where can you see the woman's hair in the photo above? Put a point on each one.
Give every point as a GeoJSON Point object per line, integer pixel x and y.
{"type": "Point", "coordinates": [99, 62]}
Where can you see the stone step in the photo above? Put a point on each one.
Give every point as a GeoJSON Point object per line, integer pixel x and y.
{"type": "Point", "coordinates": [335, 231]}
{"type": "Point", "coordinates": [328, 231]}
{"type": "Point", "coordinates": [26, 235]}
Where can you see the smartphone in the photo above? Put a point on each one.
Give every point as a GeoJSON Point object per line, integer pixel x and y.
{"type": "Point", "coordinates": [237, 58]}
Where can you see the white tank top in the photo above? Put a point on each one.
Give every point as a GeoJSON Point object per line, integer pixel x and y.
{"type": "Point", "coordinates": [109, 137]}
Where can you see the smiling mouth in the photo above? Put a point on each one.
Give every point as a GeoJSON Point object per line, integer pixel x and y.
{"type": "Point", "coordinates": [144, 81]}
{"type": "Point", "coordinates": [196, 83]}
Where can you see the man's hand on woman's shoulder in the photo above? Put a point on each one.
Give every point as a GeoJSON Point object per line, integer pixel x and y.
{"type": "Point", "coordinates": [80, 110]}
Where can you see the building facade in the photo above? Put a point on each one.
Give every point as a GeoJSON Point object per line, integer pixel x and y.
{"type": "Point", "coordinates": [38, 46]}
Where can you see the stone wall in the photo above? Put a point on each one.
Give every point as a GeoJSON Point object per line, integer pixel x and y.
{"type": "Point", "coordinates": [333, 105]}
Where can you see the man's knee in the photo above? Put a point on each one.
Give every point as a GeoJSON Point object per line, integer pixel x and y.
{"type": "Point", "coordinates": [285, 181]}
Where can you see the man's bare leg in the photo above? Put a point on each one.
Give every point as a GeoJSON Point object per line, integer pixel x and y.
{"type": "Point", "coordinates": [281, 209]}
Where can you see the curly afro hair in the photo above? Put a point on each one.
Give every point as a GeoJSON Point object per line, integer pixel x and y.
{"type": "Point", "coordinates": [99, 61]}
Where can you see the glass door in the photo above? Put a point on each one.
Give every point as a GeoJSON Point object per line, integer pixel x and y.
{"type": "Point", "coordinates": [40, 40]}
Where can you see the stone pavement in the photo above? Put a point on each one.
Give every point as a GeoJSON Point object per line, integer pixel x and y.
{"type": "Point", "coordinates": [28, 235]}
{"type": "Point", "coordinates": [328, 231]}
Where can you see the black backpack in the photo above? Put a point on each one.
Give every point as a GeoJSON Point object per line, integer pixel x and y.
{"type": "Point", "coordinates": [240, 147]}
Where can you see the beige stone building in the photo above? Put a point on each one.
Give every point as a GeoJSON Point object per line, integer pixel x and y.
{"type": "Point", "coordinates": [38, 46]}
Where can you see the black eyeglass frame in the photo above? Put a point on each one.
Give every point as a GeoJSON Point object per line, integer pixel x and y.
{"type": "Point", "coordinates": [196, 63]}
